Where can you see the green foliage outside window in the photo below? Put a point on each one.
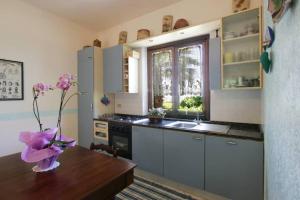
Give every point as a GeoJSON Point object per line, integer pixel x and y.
{"type": "Point", "coordinates": [193, 104]}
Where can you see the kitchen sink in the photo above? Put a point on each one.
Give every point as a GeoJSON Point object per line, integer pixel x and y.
{"type": "Point", "coordinates": [184, 125]}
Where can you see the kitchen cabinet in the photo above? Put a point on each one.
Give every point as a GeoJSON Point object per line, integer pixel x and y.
{"type": "Point", "coordinates": [184, 157]}
{"type": "Point", "coordinates": [113, 69]}
{"type": "Point", "coordinates": [120, 70]}
{"type": "Point", "coordinates": [234, 168]}
{"type": "Point", "coordinates": [215, 63]}
{"type": "Point", "coordinates": [241, 48]}
{"type": "Point", "coordinates": [147, 149]}
{"type": "Point", "coordinates": [85, 71]}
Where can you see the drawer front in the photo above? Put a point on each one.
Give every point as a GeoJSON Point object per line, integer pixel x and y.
{"type": "Point", "coordinates": [101, 130]}
{"type": "Point", "coordinates": [100, 125]}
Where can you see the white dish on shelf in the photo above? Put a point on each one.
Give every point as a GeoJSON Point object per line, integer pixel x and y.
{"type": "Point", "coordinates": [241, 86]}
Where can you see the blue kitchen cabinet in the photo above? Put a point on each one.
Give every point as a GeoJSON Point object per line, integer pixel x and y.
{"type": "Point", "coordinates": [215, 63]}
{"type": "Point", "coordinates": [85, 72]}
{"type": "Point", "coordinates": [184, 157]}
{"type": "Point", "coordinates": [112, 69]}
{"type": "Point", "coordinates": [234, 168]}
{"type": "Point", "coordinates": [147, 149]}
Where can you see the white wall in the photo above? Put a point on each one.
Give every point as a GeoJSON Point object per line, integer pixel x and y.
{"type": "Point", "coordinates": [282, 108]}
{"type": "Point", "coordinates": [236, 106]}
{"type": "Point", "coordinates": [196, 12]}
{"type": "Point", "coordinates": [48, 46]}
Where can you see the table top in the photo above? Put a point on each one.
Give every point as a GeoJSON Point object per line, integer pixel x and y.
{"type": "Point", "coordinates": [81, 172]}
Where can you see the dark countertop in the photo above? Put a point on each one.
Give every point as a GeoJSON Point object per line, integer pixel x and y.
{"type": "Point", "coordinates": [232, 130]}
{"type": "Point", "coordinates": [203, 128]}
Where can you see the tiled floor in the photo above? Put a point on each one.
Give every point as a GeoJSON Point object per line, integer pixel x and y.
{"type": "Point", "coordinates": [200, 194]}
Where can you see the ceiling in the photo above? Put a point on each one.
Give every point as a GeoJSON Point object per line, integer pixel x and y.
{"type": "Point", "coordinates": [100, 14]}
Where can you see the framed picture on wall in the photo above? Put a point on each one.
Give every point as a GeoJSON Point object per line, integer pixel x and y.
{"type": "Point", "coordinates": [11, 80]}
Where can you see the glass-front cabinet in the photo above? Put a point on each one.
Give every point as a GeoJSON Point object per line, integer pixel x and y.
{"type": "Point", "coordinates": [241, 49]}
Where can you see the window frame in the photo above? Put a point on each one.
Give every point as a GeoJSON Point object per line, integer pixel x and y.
{"type": "Point", "coordinates": [204, 40]}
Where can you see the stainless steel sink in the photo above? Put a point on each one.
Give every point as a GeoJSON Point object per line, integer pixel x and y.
{"type": "Point", "coordinates": [183, 125]}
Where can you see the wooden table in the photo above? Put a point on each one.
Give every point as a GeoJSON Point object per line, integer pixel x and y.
{"type": "Point", "coordinates": [83, 174]}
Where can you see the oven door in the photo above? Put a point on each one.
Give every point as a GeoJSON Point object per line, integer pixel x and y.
{"type": "Point", "coordinates": [121, 140]}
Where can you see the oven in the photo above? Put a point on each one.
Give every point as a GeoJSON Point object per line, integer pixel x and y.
{"type": "Point", "coordinates": [120, 137]}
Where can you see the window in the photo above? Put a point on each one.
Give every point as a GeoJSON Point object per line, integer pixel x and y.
{"type": "Point", "coordinates": [178, 77]}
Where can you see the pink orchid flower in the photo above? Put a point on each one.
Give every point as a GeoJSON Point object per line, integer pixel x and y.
{"type": "Point", "coordinates": [65, 81]}
{"type": "Point", "coordinates": [41, 88]}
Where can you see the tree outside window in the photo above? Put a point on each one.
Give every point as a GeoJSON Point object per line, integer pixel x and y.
{"type": "Point", "coordinates": [178, 77]}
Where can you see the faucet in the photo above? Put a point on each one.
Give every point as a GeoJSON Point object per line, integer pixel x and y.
{"type": "Point", "coordinates": [198, 119]}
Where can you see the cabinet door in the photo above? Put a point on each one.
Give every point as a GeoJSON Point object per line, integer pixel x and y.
{"type": "Point", "coordinates": [234, 168]}
{"type": "Point", "coordinates": [215, 63]}
{"type": "Point", "coordinates": [184, 157]}
{"type": "Point", "coordinates": [133, 75]}
{"type": "Point", "coordinates": [85, 102]}
{"type": "Point", "coordinates": [112, 69]}
{"type": "Point", "coordinates": [147, 149]}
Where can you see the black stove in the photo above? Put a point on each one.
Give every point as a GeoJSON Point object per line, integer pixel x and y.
{"type": "Point", "coordinates": [126, 118]}
{"type": "Point", "coordinates": [120, 133]}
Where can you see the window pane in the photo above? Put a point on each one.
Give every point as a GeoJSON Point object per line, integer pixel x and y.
{"type": "Point", "coordinates": [190, 78]}
{"type": "Point", "coordinates": [162, 79]}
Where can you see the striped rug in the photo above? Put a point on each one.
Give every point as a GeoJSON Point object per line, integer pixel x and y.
{"type": "Point", "coordinates": [143, 189]}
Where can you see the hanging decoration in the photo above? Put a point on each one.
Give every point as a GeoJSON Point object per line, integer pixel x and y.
{"type": "Point", "coordinates": [265, 61]}
{"type": "Point", "coordinates": [269, 37]}
{"type": "Point", "coordinates": [105, 101]}
{"type": "Point", "coordinates": [267, 44]}
{"type": "Point", "coordinates": [278, 8]}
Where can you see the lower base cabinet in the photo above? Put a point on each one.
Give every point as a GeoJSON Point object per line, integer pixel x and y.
{"type": "Point", "coordinates": [229, 167]}
{"type": "Point", "coordinates": [147, 149]}
{"type": "Point", "coordinates": [184, 157]}
{"type": "Point", "coordinates": [234, 168]}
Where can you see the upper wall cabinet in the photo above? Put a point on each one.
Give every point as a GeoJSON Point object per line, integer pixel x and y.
{"type": "Point", "coordinates": [112, 69]}
{"type": "Point", "coordinates": [120, 70]}
{"type": "Point", "coordinates": [241, 48]}
{"type": "Point", "coordinates": [215, 63]}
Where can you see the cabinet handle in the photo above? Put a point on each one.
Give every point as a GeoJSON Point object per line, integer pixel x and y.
{"type": "Point", "coordinates": [231, 143]}
{"type": "Point", "coordinates": [92, 107]}
{"type": "Point", "coordinates": [197, 138]}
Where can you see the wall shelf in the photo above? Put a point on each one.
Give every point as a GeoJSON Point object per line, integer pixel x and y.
{"type": "Point", "coordinates": [179, 34]}
{"type": "Point", "coordinates": [246, 37]}
{"type": "Point", "coordinates": [130, 70]}
{"type": "Point", "coordinates": [242, 88]}
{"type": "Point", "coordinates": [241, 63]}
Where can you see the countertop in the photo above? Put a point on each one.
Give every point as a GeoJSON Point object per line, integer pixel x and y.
{"type": "Point", "coordinates": [232, 130]}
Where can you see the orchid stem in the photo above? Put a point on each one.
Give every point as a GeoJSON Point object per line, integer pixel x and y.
{"type": "Point", "coordinates": [36, 110]}
{"type": "Point", "coordinates": [69, 99]}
